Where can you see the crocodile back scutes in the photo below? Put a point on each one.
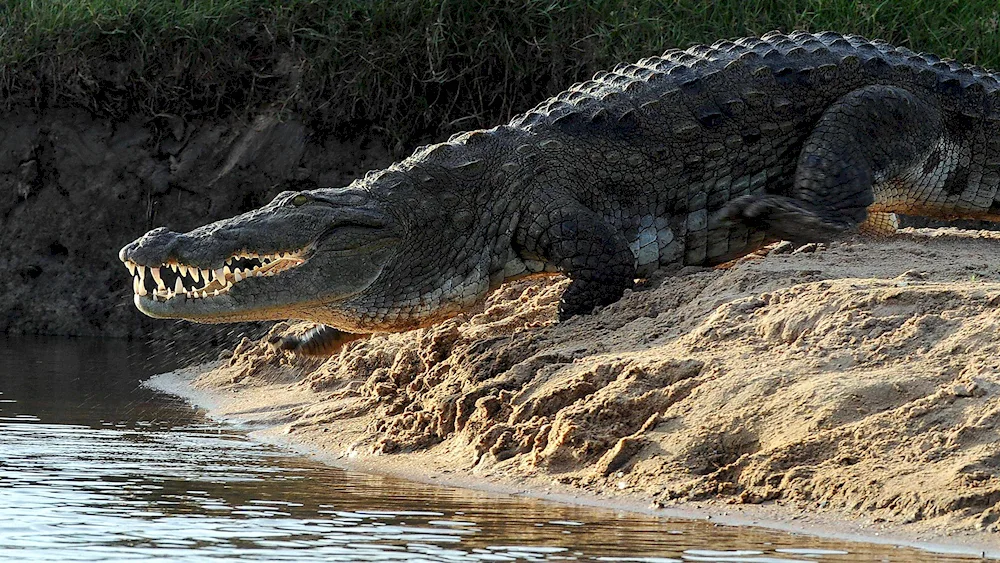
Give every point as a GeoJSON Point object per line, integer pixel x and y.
{"type": "Point", "coordinates": [612, 96]}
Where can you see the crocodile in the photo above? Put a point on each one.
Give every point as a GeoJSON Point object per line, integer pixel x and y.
{"type": "Point", "coordinates": [695, 157]}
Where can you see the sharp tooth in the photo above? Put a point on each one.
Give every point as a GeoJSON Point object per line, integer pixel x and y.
{"type": "Point", "coordinates": [131, 267]}
{"type": "Point", "coordinates": [216, 293]}
{"type": "Point", "coordinates": [204, 294]}
{"type": "Point", "coordinates": [135, 284]}
{"type": "Point", "coordinates": [170, 294]}
{"type": "Point", "coordinates": [156, 277]}
{"type": "Point", "coordinates": [220, 274]}
{"type": "Point", "coordinates": [182, 269]}
{"type": "Point", "coordinates": [237, 276]}
{"type": "Point", "coordinates": [142, 289]}
{"type": "Point", "coordinates": [135, 299]}
{"type": "Point", "coordinates": [190, 294]}
{"type": "Point", "coordinates": [195, 274]}
{"type": "Point", "coordinates": [204, 275]}
{"type": "Point", "coordinates": [226, 271]}
{"type": "Point", "coordinates": [178, 286]}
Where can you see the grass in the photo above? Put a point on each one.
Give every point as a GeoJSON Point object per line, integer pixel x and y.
{"type": "Point", "coordinates": [406, 67]}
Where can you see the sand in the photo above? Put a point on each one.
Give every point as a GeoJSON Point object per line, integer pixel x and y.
{"type": "Point", "coordinates": [854, 386]}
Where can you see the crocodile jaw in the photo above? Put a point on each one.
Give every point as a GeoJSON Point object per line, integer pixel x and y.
{"type": "Point", "coordinates": [173, 289]}
{"type": "Point", "coordinates": [285, 285]}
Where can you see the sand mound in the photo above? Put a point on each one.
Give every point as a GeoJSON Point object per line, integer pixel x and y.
{"type": "Point", "coordinates": [862, 379]}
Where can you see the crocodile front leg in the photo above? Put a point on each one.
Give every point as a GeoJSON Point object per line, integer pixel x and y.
{"type": "Point", "coordinates": [869, 136]}
{"type": "Point", "coordinates": [584, 247]}
{"type": "Point", "coordinates": [322, 340]}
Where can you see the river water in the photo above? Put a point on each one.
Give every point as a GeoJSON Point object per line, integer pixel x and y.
{"type": "Point", "coordinates": [95, 467]}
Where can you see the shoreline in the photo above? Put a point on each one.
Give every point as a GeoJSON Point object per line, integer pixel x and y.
{"type": "Point", "coordinates": [777, 518]}
{"type": "Point", "coordinates": [849, 391]}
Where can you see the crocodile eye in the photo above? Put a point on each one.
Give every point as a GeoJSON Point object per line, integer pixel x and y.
{"type": "Point", "coordinates": [300, 200]}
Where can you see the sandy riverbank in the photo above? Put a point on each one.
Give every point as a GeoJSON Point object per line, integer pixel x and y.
{"type": "Point", "coordinates": [854, 389]}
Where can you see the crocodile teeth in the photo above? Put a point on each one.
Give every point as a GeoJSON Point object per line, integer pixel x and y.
{"type": "Point", "coordinates": [156, 277]}
{"type": "Point", "coordinates": [175, 279]}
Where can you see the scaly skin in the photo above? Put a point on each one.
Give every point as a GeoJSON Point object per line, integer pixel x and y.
{"type": "Point", "coordinates": [694, 158]}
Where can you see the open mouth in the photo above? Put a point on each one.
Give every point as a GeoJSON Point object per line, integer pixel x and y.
{"type": "Point", "coordinates": [173, 280]}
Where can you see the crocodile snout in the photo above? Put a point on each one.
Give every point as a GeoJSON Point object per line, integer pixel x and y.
{"type": "Point", "coordinates": [154, 247]}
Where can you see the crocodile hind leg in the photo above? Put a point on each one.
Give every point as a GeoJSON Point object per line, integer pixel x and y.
{"type": "Point", "coordinates": [867, 137]}
{"type": "Point", "coordinates": [591, 252]}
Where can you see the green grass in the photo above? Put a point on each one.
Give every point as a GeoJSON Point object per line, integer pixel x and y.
{"type": "Point", "coordinates": [405, 67]}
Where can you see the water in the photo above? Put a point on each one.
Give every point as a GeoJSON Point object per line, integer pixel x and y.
{"type": "Point", "coordinates": [94, 467]}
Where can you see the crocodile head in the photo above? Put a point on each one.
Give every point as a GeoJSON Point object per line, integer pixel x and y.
{"type": "Point", "coordinates": [299, 256]}
{"type": "Point", "coordinates": [398, 249]}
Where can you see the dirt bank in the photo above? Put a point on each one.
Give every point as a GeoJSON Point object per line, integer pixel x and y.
{"type": "Point", "coordinates": [74, 188]}
{"type": "Point", "coordinates": [858, 381]}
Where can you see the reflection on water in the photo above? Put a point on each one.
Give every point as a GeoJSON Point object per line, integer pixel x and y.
{"type": "Point", "coordinates": [94, 467]}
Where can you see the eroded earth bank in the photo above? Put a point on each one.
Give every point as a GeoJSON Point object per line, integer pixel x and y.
{"type": "Point", "coordinates": [74, 188]}
{"type": "Point", "coordinates": [860, 381]}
